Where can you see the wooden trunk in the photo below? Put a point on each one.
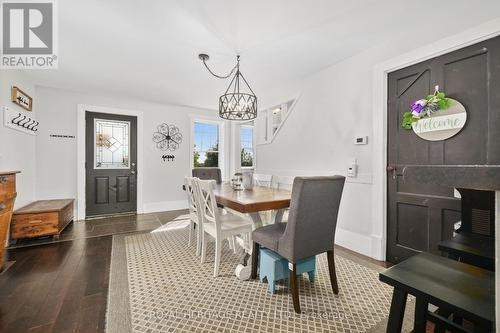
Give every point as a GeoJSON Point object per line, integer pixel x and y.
{"type": "Point", "coordinates": [42, 218]}
{"type": "Point", "coordinates": [7, 197]}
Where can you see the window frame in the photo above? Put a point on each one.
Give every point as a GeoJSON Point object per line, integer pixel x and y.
{"type": "Point", "coordinates": [128, 125]}
{"type": "Point", "coordinates": [221, 135]}
{"type": "Point", "coordinates": [252, 126]}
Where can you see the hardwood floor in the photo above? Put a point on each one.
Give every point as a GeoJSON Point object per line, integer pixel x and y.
{"type": "Point", "coordinates": [62, 286]}
{"type": "Point", "coordinates": [59, 287]}
{"type": "Point", "coordinates": [105, 227]}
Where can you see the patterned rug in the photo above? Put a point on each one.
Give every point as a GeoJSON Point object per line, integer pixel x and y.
{"type": "Point", "coordinates": [169, 290]}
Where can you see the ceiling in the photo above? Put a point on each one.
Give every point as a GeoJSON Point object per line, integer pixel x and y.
{"type": "Point", "coordinates": [148, 49]}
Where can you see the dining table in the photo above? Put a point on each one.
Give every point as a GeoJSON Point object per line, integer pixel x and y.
{"type": "Point", "coordinates": [252, 202]}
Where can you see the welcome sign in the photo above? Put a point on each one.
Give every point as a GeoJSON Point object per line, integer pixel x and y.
{"type": "Point", "coordinates": [443, 124]}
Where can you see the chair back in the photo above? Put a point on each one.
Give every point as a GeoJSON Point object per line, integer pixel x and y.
{"type": "Point", "coordinates": [284, 182]}
{"type": "Point", "coordinates": [313, 217]}
{"type": "Point", "coordinates": [192, 196]}
{"type": "Point", "coordinates": [261, 179]}
{"type": "Point", "coordinates": [208, 204]}
{"type": "Point", "coordinates": [206, 173]}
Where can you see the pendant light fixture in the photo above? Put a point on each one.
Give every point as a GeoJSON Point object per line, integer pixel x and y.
{"type": "Point", "coordinates": [238, 101]}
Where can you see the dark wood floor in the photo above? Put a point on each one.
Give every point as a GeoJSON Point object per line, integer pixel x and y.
{"type": "Point", "coordinates": [105, 227]}
{"type": "Point", "coordinates": [62, 286]}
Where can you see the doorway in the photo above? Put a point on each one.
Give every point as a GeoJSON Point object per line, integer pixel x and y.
{"type": "Point", "coordinates": [110, 164]}
{"type": "Point", "coordinates": [420, 216]}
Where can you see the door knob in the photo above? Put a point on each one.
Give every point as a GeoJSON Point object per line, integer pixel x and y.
{"type": "Point", "coordinates": [392, 168]}
{"type": "Point", "coordinates": [132, 172]}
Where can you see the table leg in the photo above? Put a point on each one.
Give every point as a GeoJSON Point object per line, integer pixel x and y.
{"type": "Point", "coordinates": [445, 314]}
{"type": "Point", "coordinates": [243, 270]}
{"type": "Point", "coordinates": [396, 315]}
{"type": "Point", "coordinates": [278, 215]}
{"type": "Point", "coordinates": [256, 219]}
{"type": "Point", "coordinates": [421, 308]}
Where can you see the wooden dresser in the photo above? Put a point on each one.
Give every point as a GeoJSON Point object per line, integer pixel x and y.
{"type": "Point", "coordinates": [7, 198]}
{"type": "Point", "coordinates": [42, 218]}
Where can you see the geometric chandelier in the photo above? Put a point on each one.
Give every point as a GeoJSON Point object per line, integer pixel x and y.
{"type": "Point", "coordinates": [238, 102]}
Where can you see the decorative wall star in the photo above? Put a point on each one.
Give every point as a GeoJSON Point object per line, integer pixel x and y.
{"type": "Point", "coordinates": [168, 137]}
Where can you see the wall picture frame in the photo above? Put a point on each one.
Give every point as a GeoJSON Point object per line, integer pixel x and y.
{"type": "Point", "coordinates": [21, 98]}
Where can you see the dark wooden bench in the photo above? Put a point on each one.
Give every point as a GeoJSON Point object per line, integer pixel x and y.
{"type": "Point", "coordinates": [460, 289]}
{"type": "Point", "coordinates": [470, 248]}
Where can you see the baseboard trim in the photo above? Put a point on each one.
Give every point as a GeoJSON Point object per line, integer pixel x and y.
{"type": "Point", "coordinates": [378, 247]}
{"type": "Point", "coordinates": [354, 241]}
{"type": "Point", "coordinates": [163, 206]}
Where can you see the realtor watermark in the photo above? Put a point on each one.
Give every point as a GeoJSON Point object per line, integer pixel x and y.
{"type": "Point", "coordinates": [28, 34]}
{"type": "Point", "coordinates": [248, 314]}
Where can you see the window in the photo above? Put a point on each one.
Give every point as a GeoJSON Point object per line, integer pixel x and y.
{"type": "Point", "coordinates": [111, 146]}
{"type": "Point", "coordinates": [246, 142]}
{"type": "Point", "coordinates": [206, 145]}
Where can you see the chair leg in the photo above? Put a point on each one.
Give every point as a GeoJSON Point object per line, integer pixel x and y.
{"type": "Point", "coordinates": [218, 247]}
{"type": "Point", "coordinates": [233, 244]}
{"type": "Point", "coordinates": [272, 286]}
{"type": "Point", "coordinates": [198, 240]}
{"type": "Point", "coordinates": [311, 276]}
{"type": "Point", "coordinates": [331, 268]}
{"type": "Point", "coordinates": [190, 232]}
{"type": "Point", "coordinates": [255, 260]}
{"type": "Point", "coordinates": [294, 288]}
{"type": "Point", "coordinates": [203, 247]}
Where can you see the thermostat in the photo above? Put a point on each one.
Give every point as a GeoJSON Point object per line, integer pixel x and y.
{"type": "Point", "coordinates": [361, 140]}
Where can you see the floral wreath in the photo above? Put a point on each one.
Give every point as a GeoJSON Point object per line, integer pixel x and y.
{"type": "Point", "coordinates": [424, 108]}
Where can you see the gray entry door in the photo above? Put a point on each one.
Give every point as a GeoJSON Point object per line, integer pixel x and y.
{"type": "Point", "coordinates": [111, 164]}
{"type": "Point", "coordinates": [421, 215]}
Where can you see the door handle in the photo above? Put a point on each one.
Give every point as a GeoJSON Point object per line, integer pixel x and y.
{"type": "Point", "coordinates": [392, 168]}
{"type": "Point", "coordinates": [132, 172]}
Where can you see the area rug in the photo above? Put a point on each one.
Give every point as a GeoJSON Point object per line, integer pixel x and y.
{"type": "Point", "coordinates": [157, 284]}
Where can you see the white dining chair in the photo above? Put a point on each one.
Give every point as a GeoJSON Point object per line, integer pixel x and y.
{"type": "Point", "coordinates": [264, 180]}
{"type": "Point", "coordinates": [219, 226]}
{"type": "Point", "coordinates": [194, 213]}
{"type": "Point", "coordinates": [261, 179]}
{"type": "Point", "coordinates": [284, 183]}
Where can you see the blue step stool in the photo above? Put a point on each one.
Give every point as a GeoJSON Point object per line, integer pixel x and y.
{"type": "Point", "coordinates": [274, 267]}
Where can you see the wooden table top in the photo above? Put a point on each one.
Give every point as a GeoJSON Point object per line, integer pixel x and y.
{"type": "Point", "coordinates": [250, 201]}
{"type": "Point", "coordinates": [461, 285]}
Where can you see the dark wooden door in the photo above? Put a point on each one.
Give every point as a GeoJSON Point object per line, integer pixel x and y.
{"type": "Point", "coordinates": [111, 164]}
{"type": "Point", "coordinates": [420, 216]}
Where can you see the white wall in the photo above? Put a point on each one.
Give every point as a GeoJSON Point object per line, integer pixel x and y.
{"type": "Point", "coordinates": [17, 149]}
{"type": "Point", "coordinates": [56, 158]}
{"type": "Point", "coordinates": [336, 106]}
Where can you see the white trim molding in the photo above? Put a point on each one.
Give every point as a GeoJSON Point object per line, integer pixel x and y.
{"type": "Point", "coordinates": [163, 206]}
{"type": "Point", "coordinates": [80, 163]}
{"type": "Point", "coordinates": [354, 241]}
{"type": "Point", "coordinates": [468, 37]}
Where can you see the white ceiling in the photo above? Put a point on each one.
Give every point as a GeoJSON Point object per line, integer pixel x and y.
{"type": "Point", "coordinates": [148, 49]}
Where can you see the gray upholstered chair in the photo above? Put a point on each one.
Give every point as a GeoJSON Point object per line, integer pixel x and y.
{"type": "Point", "coordinates": [310, 229]}
{"type": "Point", "coordinates": [207, 173]}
